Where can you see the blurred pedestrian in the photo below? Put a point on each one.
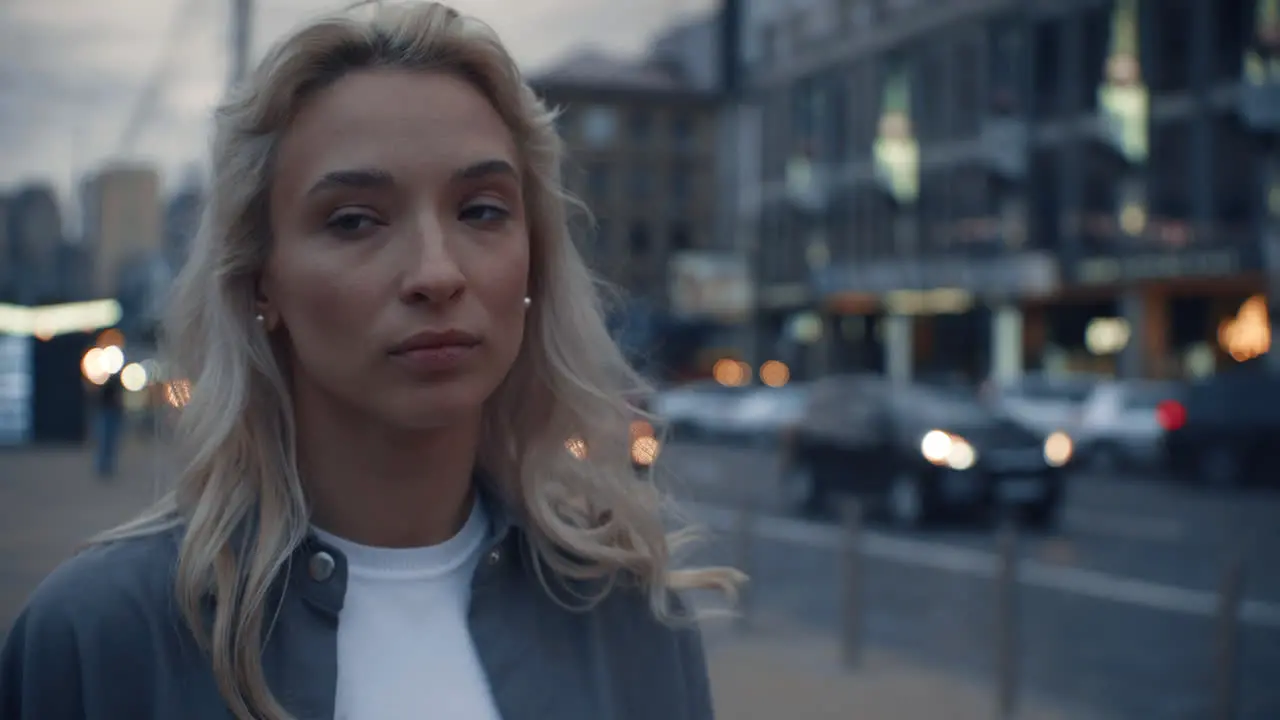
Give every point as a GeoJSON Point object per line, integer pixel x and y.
{"type": "Point", "coordinates": [390, 339]}
{"type": "Point", "coordinates": [108, 426]}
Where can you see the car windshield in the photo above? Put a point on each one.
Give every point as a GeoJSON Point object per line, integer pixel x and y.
{"type": "Point", "coordinates": [1059, 390]}
{"type": "Point", "coordinates": [949, 406]}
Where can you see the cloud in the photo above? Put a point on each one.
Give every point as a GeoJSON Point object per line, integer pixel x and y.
{"type": "Point", "coordinates": [72, 70]}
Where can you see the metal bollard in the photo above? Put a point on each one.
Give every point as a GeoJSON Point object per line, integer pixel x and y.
{"type": "Point", "coordinates": [1007, 622]}
{"type": "Point", "coordinates": [743, 541]}
{"type": "Point", "coordinates": [851, 608]}
{"type": "Point", "coordinates": [1226, 671]}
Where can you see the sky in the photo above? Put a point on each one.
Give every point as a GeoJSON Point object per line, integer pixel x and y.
{"type": "Point", "coordinates": [72, 71]}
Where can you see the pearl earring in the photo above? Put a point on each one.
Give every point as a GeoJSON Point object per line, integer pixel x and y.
{"type": "Point", "coordinates": [528, 301]}
{"type": "Point", "coordinates": [262, 319]}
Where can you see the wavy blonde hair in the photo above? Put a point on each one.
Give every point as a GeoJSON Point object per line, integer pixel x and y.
{"type": "Point", "coordinates": [239, 496]}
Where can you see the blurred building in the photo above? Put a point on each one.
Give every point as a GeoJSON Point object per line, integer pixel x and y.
{"type": "Point", "coordinates": [981, 186]}
{"type": "Point", "coordinates": [74, 272]}
{"type": "Point", "coordinates": [181, 221]}
{"type": "Point", "coordinates": [33, 234]}
{"type": "Point", "coordinates": [641, 141]}
{"type": "Point", "coordinates": [6, 262]}
{"type": "Point", "coordinates": [122, 223]}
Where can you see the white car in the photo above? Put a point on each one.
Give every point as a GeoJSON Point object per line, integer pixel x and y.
{"type": "Point", "coordinates": [1119, 425]}
{"type": "Point", "coordinates": [696, 410]}
{"type": "Point", "coordinates": [763, 411]}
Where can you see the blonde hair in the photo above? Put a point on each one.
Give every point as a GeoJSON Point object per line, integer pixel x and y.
{"type": "Point", "coordinates": [239, 496]}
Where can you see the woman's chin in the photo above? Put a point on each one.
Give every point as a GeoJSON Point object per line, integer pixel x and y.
{"type": "Point", "coordinates": [437, 407]}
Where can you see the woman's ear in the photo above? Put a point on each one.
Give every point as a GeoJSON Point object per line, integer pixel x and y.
{"type": "Point", "coordinates": [266, 316]}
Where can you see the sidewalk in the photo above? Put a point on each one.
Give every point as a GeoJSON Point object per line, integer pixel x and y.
{"type": "Point", "coordinates": [50, 502]}
{"type": "Point", "coordinates": [789, 675]}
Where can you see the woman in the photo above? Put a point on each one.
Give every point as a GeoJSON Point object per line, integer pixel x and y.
{"type": "Point", "coordinates": [389, 339]}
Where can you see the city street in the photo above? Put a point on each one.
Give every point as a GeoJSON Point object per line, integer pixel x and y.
{"type": "Point", "coordinates": [1116, 608]}
{"type": "Point", "coordinates": [1117, 605]}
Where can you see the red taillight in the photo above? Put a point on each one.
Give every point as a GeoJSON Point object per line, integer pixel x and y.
{"type": "Point", "coordinates": [1171, 415]}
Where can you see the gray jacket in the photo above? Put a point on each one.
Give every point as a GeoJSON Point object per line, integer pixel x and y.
{"type": "Point", "coordinates": [102, 639]}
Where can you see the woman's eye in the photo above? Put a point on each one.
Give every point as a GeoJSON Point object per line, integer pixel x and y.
{"type": "Point", "coordinates": [484, 213]}
{"type": "Point", "coordinates": [352, 223]}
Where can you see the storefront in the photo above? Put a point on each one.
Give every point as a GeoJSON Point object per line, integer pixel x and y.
{"type": "Point", "coordinates": [956, 318]}
{"type": "Point", "coordinates": [42, 391]}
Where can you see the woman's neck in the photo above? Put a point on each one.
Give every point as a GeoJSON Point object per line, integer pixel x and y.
{"type": "Point", "coordinates": [381, 487]}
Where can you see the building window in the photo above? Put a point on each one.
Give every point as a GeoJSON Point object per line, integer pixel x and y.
{"type": "Point", "coordinates": [682, 131]}
{"type": "Point", "coordinates": [1046, 199]}
{"type": "Point", "coordinates": [854, 15]}
{"type": "Point", "coordinates": [966, 107]}
{"type": "Point", "coordinates": [641, 185]}
{"type": "Point", "coordinates": [1099, 43]}
{"type": "Point", "coordinates": [1234, 21]}
{"type": "Point", "coordinates": [599, 187]}
{"type": "Point", "coordinates": [798, 29]}
{"type": "Point", "coordinates": [599, 126]}
{"type": "Point", "coordinates": [679, 186]}
{"type": "Point", "coordinates": [681, 239]}
{"type": "Point", "coordinates": [835, 120]}
{"type": "Point", "coordinates": [1235, 197]}
{"type": "Point", "coordinates": [1049, 101]}
{"type": "Point", "coordinates": [640, 126]}
{"type": "Point", "coordinates": [1171, 71]}
{"type": "Point", "coordinates": [936, 94]}
{"type": "Point", "coordinates": [768, 44]}
{"type": "Point", "coordinates": [638, 238]}
{"type": "Point", "coordinates": [1007, 69]}
{"type": "Point", "coordinates": [1169, 196]}
{"type": "Point", "coordinates": [804, 100]}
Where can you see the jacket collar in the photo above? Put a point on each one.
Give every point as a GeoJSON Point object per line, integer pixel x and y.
{"type": "Point", "coordinates": [318, 572]}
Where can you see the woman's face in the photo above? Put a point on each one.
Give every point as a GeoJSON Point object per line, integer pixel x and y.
{"type": "Point", "coordinates": [400, 253]}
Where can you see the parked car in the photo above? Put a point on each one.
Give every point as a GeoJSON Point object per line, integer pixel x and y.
{"type": "Point", "coordinates": [1119, 427]}
{"type": "Point", "coordinates": [760, 414]}
{"type": "Point", "coordinates": [697, 410]}
{"type": "Point", "coordinates": [917, 453]}
{"type": "Point", "coordinates": [1045, 403]}
{"type": "Point", "coordinates": [1224, 431]}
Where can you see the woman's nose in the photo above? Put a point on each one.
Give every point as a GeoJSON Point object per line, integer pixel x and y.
{"type": "Point", "coordinates": [433, 274]}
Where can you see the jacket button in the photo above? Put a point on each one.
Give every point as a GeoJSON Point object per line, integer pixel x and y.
{"type": "Point", "coordinates": [321, 566]}
{"type": "Point", "coordinates": [495, 557]}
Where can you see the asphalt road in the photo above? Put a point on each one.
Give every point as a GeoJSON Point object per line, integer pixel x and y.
{"type": "Point", "coordinates": [1116, 607]}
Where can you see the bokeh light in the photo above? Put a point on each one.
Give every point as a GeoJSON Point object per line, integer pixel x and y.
{"type": "Point", "coordinates": [730, 372]}
{"type": "Point", "coordinates": [775, 373]}
{"type": "Point", "coordinates": [177, 393]}
{"type": "Point", "coordinates": [577, 447]}
{"type": "Point", "coordinates": [133, 377]}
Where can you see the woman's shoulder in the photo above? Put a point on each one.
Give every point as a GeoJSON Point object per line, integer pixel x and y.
{"type": "Point", "coordinates": [100, 612]}
{"type": "Point", "coordinates": [137, 570]}
{"type": "Point", "coordinates": [109, 584]}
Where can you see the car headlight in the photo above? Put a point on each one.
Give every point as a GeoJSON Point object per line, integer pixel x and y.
{"type": "Point", "coordinates": [1058, 449]}
{"type": "Point", "coordinates": [949, 450]}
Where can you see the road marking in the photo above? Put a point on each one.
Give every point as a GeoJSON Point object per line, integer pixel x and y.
{"type": "Point", "coordinates": [967, 561]}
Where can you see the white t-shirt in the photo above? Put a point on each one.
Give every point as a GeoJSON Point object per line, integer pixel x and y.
{"type": "Point", "coordinates": [404, 647]}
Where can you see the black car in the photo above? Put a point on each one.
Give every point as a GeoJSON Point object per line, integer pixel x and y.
{"type": "Point", "coordinates": [1222, 430]}
{"type": "Point", "coordinates": [918, 453]}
